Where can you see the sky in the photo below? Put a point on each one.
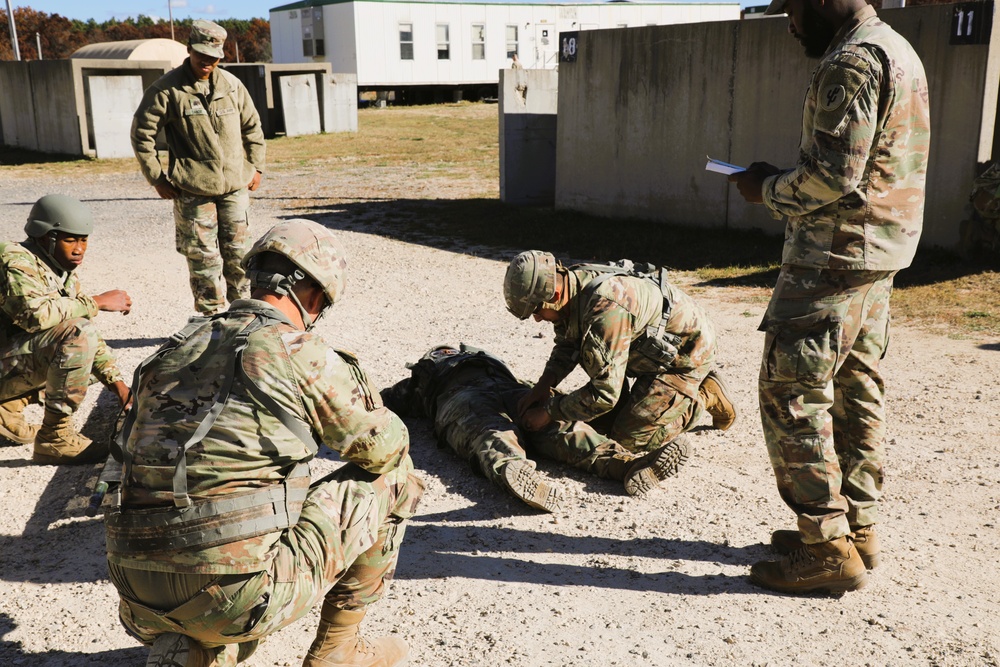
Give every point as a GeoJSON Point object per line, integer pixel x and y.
{"type": "Point", "coordinates": [103, 10]}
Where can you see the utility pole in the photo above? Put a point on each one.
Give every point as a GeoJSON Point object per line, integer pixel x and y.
{"type": "Point", "coordinates": [13, 32]}
{"type": "Point", "coordinates": [38, 43]}
{"type": "Point", "coordinates": [170, 11]}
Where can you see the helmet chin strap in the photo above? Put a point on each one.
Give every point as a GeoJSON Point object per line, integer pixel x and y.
{"type": "Point", "coordinates": [50, 250]}
{"type": "Point", "coordinates": [283, 285]}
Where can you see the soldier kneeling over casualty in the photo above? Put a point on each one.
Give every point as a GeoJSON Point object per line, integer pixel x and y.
{"type": "Point", "coordinates": [221, 537]}
{"type": "Point", "coordinates": [472, 398]}
{"type": "Point", "coordinates": [48, 341]}
{"type": "Point", "coordinates": [619, 321]}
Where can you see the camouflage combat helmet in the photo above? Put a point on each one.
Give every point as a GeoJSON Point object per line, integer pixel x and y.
{"type": "Point", "coordinates": [530, 281]}
{"type": "Point", "coordinates": [312, 248]}
{"type": "Point", "coordinates": [61, 214]}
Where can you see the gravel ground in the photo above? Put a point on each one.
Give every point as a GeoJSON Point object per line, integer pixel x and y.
{"type": "Point", "coordinates": [483, 580]}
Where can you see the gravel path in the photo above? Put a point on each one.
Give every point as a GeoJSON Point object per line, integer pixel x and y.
{"type": "Point", "coordinates": [484, 581]}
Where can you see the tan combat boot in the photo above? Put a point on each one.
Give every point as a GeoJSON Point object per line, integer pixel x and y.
{"type": "Point", "coordinates": [338, 643]}
{"type": "Point", "coordinates": [715, 396]}
{"type": "Point", "coordinates": [524, 482]}
{"type": "Point", "coordinates": [12, 424]}
{"type": "Point", "coordinates": [176, 650]}
{"type": "Point", "coordinates": [58, 443]}
{"type": "Point", "coordinates": [826, 567]}
{"type": "Point", "coordinates": [648, 471]}
{"type": "Point", "coordinates": [864, 538]}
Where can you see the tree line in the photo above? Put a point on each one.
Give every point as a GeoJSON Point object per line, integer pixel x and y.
{"type": "Point", "coordinates": [61, 36]}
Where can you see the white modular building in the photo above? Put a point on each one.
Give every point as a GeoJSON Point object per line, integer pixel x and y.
{"type": "Point", "coordinates": [395, 43]}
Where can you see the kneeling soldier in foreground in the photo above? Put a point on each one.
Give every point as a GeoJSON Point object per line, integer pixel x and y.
{"type": "Point", "coordinates": [222, 538]}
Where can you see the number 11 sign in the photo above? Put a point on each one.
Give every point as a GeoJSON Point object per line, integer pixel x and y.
{"type": "Point", "coordinates": [971, 23]}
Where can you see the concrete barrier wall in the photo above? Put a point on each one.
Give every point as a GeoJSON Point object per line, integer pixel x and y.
{"type": "Point", "coordinates": [337, 94]}
{"type": "Point", "coordinates": [44, 103]}
{"type": "Point", "coordinates": [640, 108]}
{"type": "Point", "coordinates": [528, 104]}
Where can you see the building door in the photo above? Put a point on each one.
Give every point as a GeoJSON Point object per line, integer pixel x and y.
{"type": "Point", "coordinates": [546, 45]}
{"type": "Point", "coordinates": [112, 101]}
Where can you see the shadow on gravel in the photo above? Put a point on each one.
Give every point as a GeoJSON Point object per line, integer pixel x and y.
{"type": "Point", "coordinates": [429, 553]}
{"type": "Point", "coordinates": [497, 230]}
{"type": "Point", "coordinates": [123, 343]}
{"type": "Point", "coordinates": [12, 653]}
{"type": "Point", "coordinates": [59, 543]}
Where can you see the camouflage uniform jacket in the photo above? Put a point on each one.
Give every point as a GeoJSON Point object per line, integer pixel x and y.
{"type": "Point", "coordinates": [215, 141]}
{"type": "Point", "coordinates": [34, 297]}
{"type": "Point", "coordinates": [855, 200]}
{"type": "Point", "coordinates": [602, 332]}
{"type": "Point", "coordinates": [247, 447]}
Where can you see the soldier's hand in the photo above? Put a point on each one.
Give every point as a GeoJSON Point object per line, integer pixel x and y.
{"type": "Point", "coordinates": [254, 182]}
{"type": "Point", "coordinates": [122, 392]}
{"type": "Point", "coordinates": [115, 301]}
{"type": "Point", "coordinates": [536, 419]}
{"type": "Point", "coordinates": [166, 190]}
{"type": "Point", "coordinates": [750, 183]}
{"type": "Point", "coordinates": [538, 394]}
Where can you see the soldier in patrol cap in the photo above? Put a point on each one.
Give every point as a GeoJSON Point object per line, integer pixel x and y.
{"type": "Point", "coordinates": [216, 158]}
{"type": "Point", "coordinates": [472, 396]}
{"type": "Point", "coordinates": [854, 206]}
{"type": "Point", "coordinates": [48, 340]}
{"type": "Point", "coordinates": [221, 537]}
{"type": "Point", "coordinates": [617, 322]}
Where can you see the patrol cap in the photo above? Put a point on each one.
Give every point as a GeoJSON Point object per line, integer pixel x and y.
{"type": "Point", "coordinates": [61, 214]}
{"type": "Point", "coordinates": [776, 7]}
{"type": "Point", "coordinates": [207, 37]}
{"type": "Point", "coordinates": [530, 280]}
{"type": "Point", "coordinates": [311, 247]}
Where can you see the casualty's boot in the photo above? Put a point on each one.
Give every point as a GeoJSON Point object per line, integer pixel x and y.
{"type": "Point", "coordinates": [648, 471]}
{"type": "Point", "coordinates": [12, 424]}
{"type": "Point", "coordinates": [715, 396]}
{"type": "Point", "coordinates": [826, 567]}
{"type": "Point", "coordinates": [58, 443]}
{"type": "Point", "coordinates": [176, 650]}
{"type": "Point", "coordinates": [524, 482]}
{"type": "Point", "coordinates": [338, 643]}
{"type": "Point", "coordinates": [864, 538]}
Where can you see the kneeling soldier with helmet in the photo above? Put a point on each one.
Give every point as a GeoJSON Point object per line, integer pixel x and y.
{"type": "Point", "coordinates": [472, 398]}
{"type": "Point", "coordinates": [619, 321]}
{"type": "Point", "coordinates": [48, 341]}
{"type": "Point", "coordinates": [221, 537]}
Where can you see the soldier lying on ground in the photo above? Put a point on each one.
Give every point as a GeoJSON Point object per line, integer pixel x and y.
{"type": "Point", "coordinates": [222, 538]}
{"type": "Point", "coordinates": [472, 398]}
{"type": "Point", "coordinates": [47, 338]}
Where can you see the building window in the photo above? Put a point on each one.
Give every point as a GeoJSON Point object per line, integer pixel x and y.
{"type": "Point", "coordinates": [479, 41]}
{"type": "Point", "coordinates": [444, 45]}
{"type": "Point", "coordinates": [406, 41]}
{"type": "Point", "coordinates": [511, 41]}
{"type": "Point", "coordinates": [312, 32]}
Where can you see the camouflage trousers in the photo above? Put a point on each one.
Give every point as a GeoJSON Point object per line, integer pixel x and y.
{"type": "Point", "coordinates": [59, 360]}
{"type": "Point", "coordinates": [342, 550]}
{"type": "Point", "coordinates": [653, 411]}
{"type": "Point", "coordinates": [821, 395]}
{"type": "Point", "coordinates": [477, 418]}
{"type": "Point", "coordinates": [212, 233]}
